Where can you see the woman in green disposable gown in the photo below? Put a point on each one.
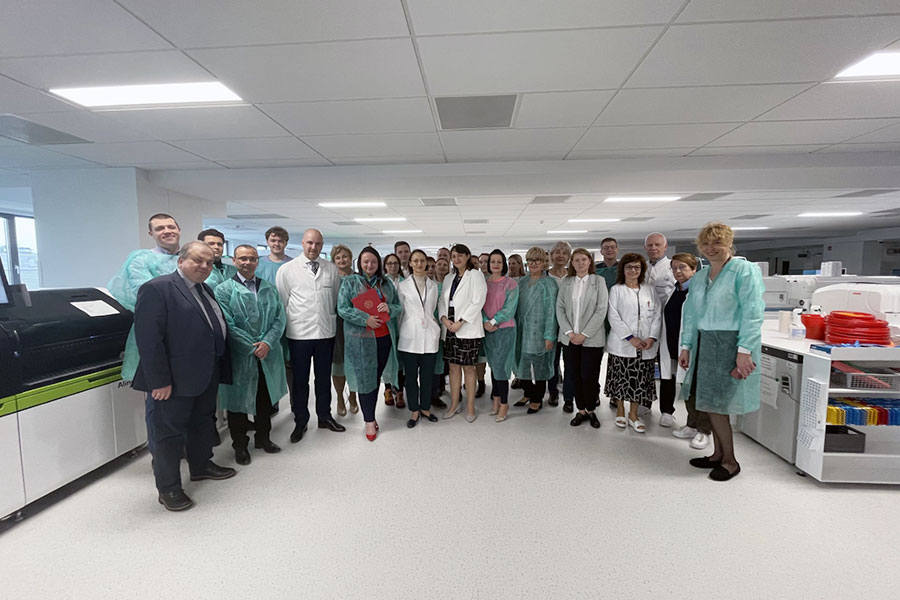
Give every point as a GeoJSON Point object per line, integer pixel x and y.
{"type": "Point", "coordinates": [721, 338]}
{"type": "Point", "coordinates": [393, 394]}
{"type": "Point", "coordinates": [342, 257]}
{"type": "Point", "coordinates": [369, 347]}
{"type": "Point", "coordinates": [500, 330]}
{"type": "Point", "coordinates": [536, 329]}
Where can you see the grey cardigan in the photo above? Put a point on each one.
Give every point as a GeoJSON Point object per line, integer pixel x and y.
{"type": "Point", "coordinates": [593, 310]}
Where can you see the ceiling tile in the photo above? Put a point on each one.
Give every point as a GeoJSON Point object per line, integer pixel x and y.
{"type": "Point", "coordinates": [201, 123]}
{"type": "Point", "coordinates": [15, 98]}
{"type": "Point", "coordinates": [75, 26]}
{"type": "Point", "coordinates": [380, 144]}
{"type": "Point", "coordinates": [398, 159]}
{"type": "Point", "coordinates": [531, 62]}
{"type": "Point", "coordinates": [695, 104]}
{"type": "Point", "coordinates": [560, 109]}
{"type": "Point", "coordinates": [519, 142]}
{"type": "Point", "coordinates": [398, 115]}
{"type": "Point", "coordinates": [842, 100]}
{"type": "Point", "coordinates": [327, 71]}
{"type": "Point", "coordinates": [80, 70]}
{"type": "Point", "coordinates": [734, 10]}
{"type": "Point", "coordinates": [640, 153]}
{"type": "Point", "coordinates": [762, 52]}
{"type": "Point", "coordinates": [191, 165]}
{"type": "Point", "coordinates": [651, 136]}
{"type": "Point", "coordinates": [205, 23]}
{"type": "Point", "coordinates": [274, 163]}
{"type": "Point", "coordinates": [862, 148]}
{"type": "Point", "coordinates": [253, 149]}
{"type": "Point", "coordinates": [470, 16]}
{"type": "Point", "coordinates": [126, 154]}
{"type": "Point", "coordinates": [889, 134]}
{"type": "Point", "coordinates": [740, 150]}
{"type": "Point", "coordinates": [21, 156]}
{"type": "Point", "coordinates": [95, 127]}
{"type": "Point", "coordinates": [772, 133]}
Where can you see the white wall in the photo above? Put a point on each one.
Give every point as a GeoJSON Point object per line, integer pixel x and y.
{"type": "Point", "coordinates": [189, 211]}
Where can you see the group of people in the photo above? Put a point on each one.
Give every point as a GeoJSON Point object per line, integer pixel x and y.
{"type": "Point", "coordinates": [205, 330]}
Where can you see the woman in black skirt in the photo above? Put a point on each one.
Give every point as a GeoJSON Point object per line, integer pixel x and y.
{"type": "Point", "coordinates": [462, 299]}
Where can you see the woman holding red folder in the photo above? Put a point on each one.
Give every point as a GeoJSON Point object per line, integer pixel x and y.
{"type": "Point", "coordinates": [369, 306]}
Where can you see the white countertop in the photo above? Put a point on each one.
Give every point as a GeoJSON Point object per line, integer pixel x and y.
{"type": "Point", "coordinates": [774, 339]}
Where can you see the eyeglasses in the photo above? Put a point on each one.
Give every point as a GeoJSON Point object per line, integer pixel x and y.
{"type": "Point", "coordinates": [633, 267]}
{"type": "Point", "coordinates": [247, 259]}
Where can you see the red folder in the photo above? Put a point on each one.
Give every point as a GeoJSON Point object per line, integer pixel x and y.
{"type": "Point", "coordinates": [368, 302]}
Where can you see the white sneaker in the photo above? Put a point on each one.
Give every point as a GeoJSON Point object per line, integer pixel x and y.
{"type": "Point", "coordinates": [700, 441]}
{"type": "Point", "coordinates": [666, 420]}
{"type": "Point", "coordinates": [643, 411]}
{"type": "Point", "coordinates": [685, 432]}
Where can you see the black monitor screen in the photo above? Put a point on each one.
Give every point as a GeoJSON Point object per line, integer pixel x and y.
{"type": "Point", "coordinates": [4, 287]}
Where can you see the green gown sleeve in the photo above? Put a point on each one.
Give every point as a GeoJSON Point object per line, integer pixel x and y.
{"type": "Point", "coordinates": [228, 298]}
{"type": "Point", "coordinates": [750, 290]}
{"type": "Point", "coordinates": [393, 301]}
{"type": "Point", "coordinates": [508, 310]}
{"type": "Point", "coordinates": [550, 327]}
{"type": "Point", "coordinates": [348, 291]}
{"type": "Point", "coordinates": [269, 295]}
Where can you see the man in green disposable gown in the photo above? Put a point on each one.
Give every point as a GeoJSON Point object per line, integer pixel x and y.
{"type": "Point", "coordinates": [255, 316]}
{"type": "Point", "coordinates": [277, 239]}
{"type": "Point", "coordinates": [215, 239]}
{"type": "Point", "coordinates": [140, 267]}
{"type": "Point", "coordinates": [609, 267]}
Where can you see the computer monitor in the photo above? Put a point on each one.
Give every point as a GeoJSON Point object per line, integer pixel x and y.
{"type": "Point", "coordinates": [5, 294]}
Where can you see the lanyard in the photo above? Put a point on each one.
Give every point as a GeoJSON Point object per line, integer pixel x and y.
{"type": "Point", "coordinates": [421, 297]}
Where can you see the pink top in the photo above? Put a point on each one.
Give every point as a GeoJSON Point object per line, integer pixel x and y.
{"type": "Point", "coordinates": [496, 298]}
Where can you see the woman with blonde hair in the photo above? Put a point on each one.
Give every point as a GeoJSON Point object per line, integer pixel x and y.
{"type": "Point", "coordinates": [516, 267]}
{"type": "Point", "coordinates": [721, 340]}
{"type": "Point", "coordinates": [342, 257]}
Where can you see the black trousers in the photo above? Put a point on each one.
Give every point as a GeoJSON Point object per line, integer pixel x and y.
{"type": "Point", "coordinates": [533, 390]}
{"type": "Point", "coordinates": [320, 353]}
{"type": "Point", "coordinates": [181, 424]}
{"type": "Point", "coordinates": [553, 384]}
{"type": "Point", "coordinates": [500, 389]}
{"type": "Point", "coordinates": [583, 366]}
{"type": "Point", "coordinates": [667, 395]}
{"type": "Point", "coordinates": [239, 424]}
{"type": "Point", "coordinates": [419, 371]}
{"type": "Point", "coordinates": [369, 400]}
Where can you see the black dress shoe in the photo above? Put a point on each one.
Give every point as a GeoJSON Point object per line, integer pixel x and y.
{"type": "Point", "coordinates": [481, 389]}
{"type": "Point", "coordinates": [567, 407]}
{"type": "Point", "coordinates": [242, 456]}
{"type": "Point", "coordinates": [431, 417]}
{"type": "Point", "coordinates": [332, 425]}
{"type": "Point", "coordinates": [521, 402]}
{"type": "Point", "coordinates": [214, 471]}
{"type": "Point", "coordinates": [175, 501]}
{"type": "Point", "coordinates": [578, 419]}
{"type": "Point", "coordinates": [297, 433]}
{"type": "Point", "coordinates": [268, 446]}
{"type": "Point", "coordinates": [704, 462]}
{"type": "Point", "coordinates": [531, 411]}
{"type": "Point", "coordinates": [412, 423]}
{"type": "Point", "coordinates": [516, 384]}
{"type": "Point", "coordinates": [554, 400]}
{"type": "Point", "coordinates": [595, 422]}
{"type": "Point", "coordinates": [720, 473]}
{"type": "Point", "coordinates": [438, 403]}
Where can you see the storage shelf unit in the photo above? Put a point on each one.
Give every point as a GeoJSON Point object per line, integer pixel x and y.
{"type": "Point", "coordinates": [880, 463]}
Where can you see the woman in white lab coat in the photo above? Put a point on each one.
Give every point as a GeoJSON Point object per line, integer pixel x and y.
{"type": "Point", "coordinates": [463, 332]}
{"type": "Point", "coordinates": [418, 337]}
{"type": "Point", "coordinates": [635, 321]}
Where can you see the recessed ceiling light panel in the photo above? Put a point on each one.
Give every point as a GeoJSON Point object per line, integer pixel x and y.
{"type": "Point", "coordinates": [352, 204]}
{"type": "Point", "coordinates": [148, 95]}
{"type": "Point", "coordinates": [565, 231]}
{"type": "Point", "coordinates": [594, 220]}
{"type": "Point", "coordinates": [402, 231]}
{"type": "Point", "coordinates": [880, 64]}
{"type": "Point", "coordinates": [830, 214]}
{"type": "Point", "coordinates": [380, 219]}
{"type": "Point", "coordinates": [643, 198]}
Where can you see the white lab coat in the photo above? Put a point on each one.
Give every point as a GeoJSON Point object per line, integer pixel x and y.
{"type": "Point", "coordinates": [467, 303]}
{"type": "Point", "coordinates": [631, 314]}
{"type": "Point", "coordinates": [418, 332]}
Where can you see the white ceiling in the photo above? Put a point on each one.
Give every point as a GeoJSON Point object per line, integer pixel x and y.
{"type": "Point", "coordinates": [351, 83]}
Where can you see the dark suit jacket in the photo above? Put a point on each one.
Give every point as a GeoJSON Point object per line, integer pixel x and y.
{"type": "Point", "coordinates": [174, 339]}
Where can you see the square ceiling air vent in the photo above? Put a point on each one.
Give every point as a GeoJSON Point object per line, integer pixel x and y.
{"type": "Point", "coordinates": [345, 223]}
{"type": "Point", "coordinates": [549, 199]}
{"type": "Point", "coordinates": [749, 217]}
{"type": "Point", "coordinates": [475, 221]}
{"type": "Point", "coordinates": [704, 197]}
{"type": "Point", "coordinates": [438, 201]}
{"type": "Point", "coordinates": [639, 219]}
{"type": "Point", "coordinates": [257, 217]}
{"type": "Point", "coordinates": [865, 193]}
{"type": "Point", "coordinates": [17, 128]}
{"type": "Point", "coordinates": [475, 112]}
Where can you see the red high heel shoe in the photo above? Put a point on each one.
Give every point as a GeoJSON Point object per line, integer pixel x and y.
{"type": "Point", "coordinates": [371, 437]}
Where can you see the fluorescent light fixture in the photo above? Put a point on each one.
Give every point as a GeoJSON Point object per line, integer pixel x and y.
{"type": "Point", "coordinates": [402, 231]}
{"type": "Point", "coordinates": [148, 95]}
{"type": "Point", "coordinates": [351, 204]}
{"type": "Point", "coordinates": [594, 220]}
{"type": "Point", "coordinates": [748, 228]}
{"type": "Point", "coordinates": [643, 198]}
{"type": "Point", "coordinates": [567, 231]}
{"type": "Point", "coordinates": [829, 214]}
{"type": "Point", "coordinates": [880, 64]}
{"type": "Point", "coordinates": [380, 219]}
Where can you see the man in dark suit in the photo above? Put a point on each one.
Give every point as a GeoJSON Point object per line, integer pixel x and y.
{"type": "Point", "coordinates": [181, 338]}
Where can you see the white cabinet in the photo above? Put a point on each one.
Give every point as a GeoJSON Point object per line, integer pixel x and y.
{"type": "Point", "coordinates": [12, 484]}
{"type": "Point", "coordinates": [880, 463]}
{"type": "Point", "coordinates": [128, 416]}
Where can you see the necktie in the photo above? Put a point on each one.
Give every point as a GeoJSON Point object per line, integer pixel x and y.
{"type": "Point", "coordinates": [219, 335]}
{"type": "Point", "coordinates": [251, 285]}
{"type": "Point", "coordinates": [313, 266]}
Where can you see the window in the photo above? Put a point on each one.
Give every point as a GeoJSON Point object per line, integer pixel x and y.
{"type": "Point", "coordinates": [18, 250]}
